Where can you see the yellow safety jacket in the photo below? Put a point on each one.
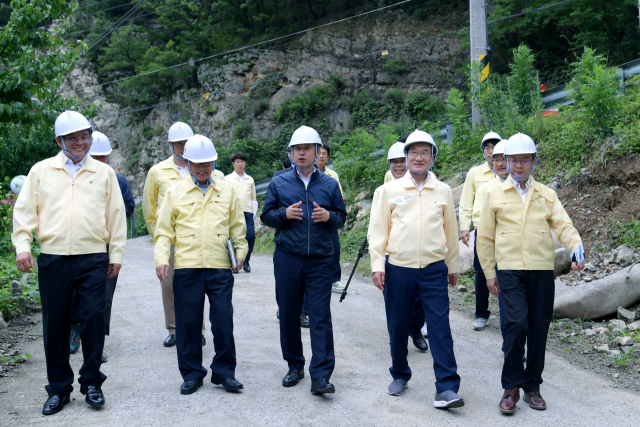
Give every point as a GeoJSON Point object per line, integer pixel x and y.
{"type": "Point", "coordinates": [246, 190]}
{"type": "Point", "coordinates": [159, 179]}
{"type": "Point", "coordinates": [388, 177]}
{"type": "Point", "coordinates": [516, 235]}
{"type": "Point", "coordinates": [475, 178]}
{"type": "Point", "coordinates": [333, 174]}
{"type": "Point", "coordinates": [415, 227]}
{"type": "Point", "coordinates": [200, 226]}
{"type": "Point", "coordinates": [480, 196]}
{"type": "Point", "coordinates": [73, 217]}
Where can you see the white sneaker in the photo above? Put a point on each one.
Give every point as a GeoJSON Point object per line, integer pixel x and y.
{"type": "Point", "coordinates": [337, 287]}
{"type": "Point", "coordinates": [480, 324]}
{"type": "Point", "coordinates": [424, 331]}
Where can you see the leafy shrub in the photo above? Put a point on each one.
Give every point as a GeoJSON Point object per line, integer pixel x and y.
{"type": "Point", "coordinates": [524, 82]}
{"type": "Point", "coordinates": [147, 131]}
{"type": "Point", "coordinates": [210, 110]}
{"type": "Point", "coordinates": [242, 130]}
{"type": "Point", "coordinates": [595, 89]}
{"type": "Point", "coordinates": [304, 106]}
{"type": "Point", "coordinates": [260, 106]}
{"type": "Point", "coordinates": [396, 66]}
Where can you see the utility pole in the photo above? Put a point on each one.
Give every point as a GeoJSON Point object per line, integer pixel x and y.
{"type": "Point", "coordinates": [480, 43]}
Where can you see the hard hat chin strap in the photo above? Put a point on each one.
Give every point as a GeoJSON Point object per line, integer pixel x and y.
{"type": "Point", "coordinates": [174, 153]}
{"type": "Point", "coordinates": [64, 146]}
{"type": "Point", "coordinates": [528, 173]}
{"type": "Point", "coordinates": [298, 167]}
{"type": "Point", "coordinates": [194, 177]}
{"type": "Point", "coordinates": [406, 163]}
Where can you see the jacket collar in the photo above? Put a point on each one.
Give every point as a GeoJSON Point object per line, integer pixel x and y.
{"type": "Point", "coordinates": [89, 164]}
{"type": "Point", "coordinates": [407, 181]}
{"type": "Point", "coordinates": [169, 164]}
{"type": "Point", "coordinates": [190, 186]}
{"type": "Point", "coordinates": [486, 169]}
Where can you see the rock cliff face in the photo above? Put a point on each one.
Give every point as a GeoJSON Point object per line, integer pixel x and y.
{"type": "Point", "coordinates": [352, 51]}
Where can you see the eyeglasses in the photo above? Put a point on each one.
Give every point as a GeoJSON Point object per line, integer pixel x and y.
{"type": "Point", "coordinates": [523, 162]}
{"type": "Point", "coordinates": [423, 154]}
{"type": "Point", "coordinates": [73, 139]}
{"type": "Point", "coordinates": [498, 161]}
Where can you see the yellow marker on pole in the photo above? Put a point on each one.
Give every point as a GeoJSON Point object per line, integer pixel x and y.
{"type": "Point", "coordinates": [385, 52]}
{"type": "Point", "coordinates": [484, 72]}
{"type": "Point", "coordinates": [206, 96]}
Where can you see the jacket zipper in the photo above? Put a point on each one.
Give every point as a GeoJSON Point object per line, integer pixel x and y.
{"type": "Point", "coordinates": [420, 221]}
{"type": "Point", "coordinates": [72, 211]}
{"type": "Point", "coordinates": [306, 192]}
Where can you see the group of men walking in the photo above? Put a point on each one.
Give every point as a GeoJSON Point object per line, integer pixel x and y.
{"type": "Point", "coordinates": [202, 224]}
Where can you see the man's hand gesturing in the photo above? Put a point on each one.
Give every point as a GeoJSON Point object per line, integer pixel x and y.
{"type": "Point", "coordinates": [294, 211]}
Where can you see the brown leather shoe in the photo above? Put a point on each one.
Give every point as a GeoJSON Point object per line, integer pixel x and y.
{"type": "Point", "coordinates": [509, 400]}
{"type": "Point", "coordinates": [535, 401]}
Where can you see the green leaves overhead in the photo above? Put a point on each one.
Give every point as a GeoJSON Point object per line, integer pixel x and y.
{"type": "Point", "coordinates": [33, 60]}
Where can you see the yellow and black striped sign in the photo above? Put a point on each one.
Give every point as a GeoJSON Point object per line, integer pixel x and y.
{"type": "Point", "coordinates": [484, 71]}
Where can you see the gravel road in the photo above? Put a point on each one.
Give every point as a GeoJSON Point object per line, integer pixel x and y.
{"type": "Point", "coordinates": [143, 382]}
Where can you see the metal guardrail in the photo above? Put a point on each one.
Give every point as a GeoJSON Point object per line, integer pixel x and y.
{"type": "Point", "coordinates": [559, 96]}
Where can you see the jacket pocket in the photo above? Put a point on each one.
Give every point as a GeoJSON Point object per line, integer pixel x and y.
{"type": "Point", "coordinates": [542, 247]}
{"type": "Point", "coordinates": [508, 246]}
{"type": "Point", "coordinates": [187, 244]}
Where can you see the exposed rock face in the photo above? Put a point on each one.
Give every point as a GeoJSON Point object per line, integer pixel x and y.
{"type": "Point", "coordinates": [306, 62]}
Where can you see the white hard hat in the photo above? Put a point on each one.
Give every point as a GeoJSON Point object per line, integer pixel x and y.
{"type": "Point", "coordinates": [491, 137]}
{"type": "Point", "coordinates": [200, 149]}
{"type": "Point", "coordinates": [396, 151]}
{"type": "Point", "coordinates": [180, 131]}
{"type": "Point", "coordinates": [499, 148]}
{"type": "Point", "coordinates": [101, 145]}
{"type": "Point", "coordinates": [70, 122]}
{"type": "Point", "coordinates": [420, 137]}
{"type": "Point", "coordinates": [305, 135]}
{"type": "Point", "coordinates": [520, 144]}
{"type": "Point", "coordinates": [17, 183]}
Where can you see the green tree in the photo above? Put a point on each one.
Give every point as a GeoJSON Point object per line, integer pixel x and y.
{"type": "Point", "coordinates": [33, 60]}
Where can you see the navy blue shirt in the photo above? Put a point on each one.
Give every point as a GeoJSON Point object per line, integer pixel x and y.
{"type": "Point", "coordinates": [129, 204]}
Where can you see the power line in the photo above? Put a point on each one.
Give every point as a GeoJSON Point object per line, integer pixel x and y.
{"type": "Point", "coordinates": [354, 58]}
{"type": "Point", "coordinates": [249, 46]}
{"type": "Point", "coordinates": [94, 4]}
{"type": "Point", "coordinates": [137, 17]}
{"type": "Point", "coordinates": [100, 11]}
{"type": "Point", "coordinates": [96, 46]}
{"type": "Point", "coordinates": [114, 26]}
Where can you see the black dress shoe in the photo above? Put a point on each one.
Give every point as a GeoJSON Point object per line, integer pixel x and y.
{"type": "Point", "coordinates": [420, 344]}
{"type": "Point", "coordinates": [204, 341]}
{"type": "Point", "coordinates": [246, 267]}
{"type": "Point", "coordinates": [190, 387]}
{"type": "Point", "coordinates": [94, 396]}
{"type": "Point", "coordinates": [234, 272]}
{"type": "Point", "coordinates": [304, 321]}
{"type": "Point", "coordinates": [229, 384]}
{"type": "Point", "coordinates": [55, 404]}
{"type": "Point", "coordinates": [170, 341]}
{"type": "Point", "coordinates": [322, 386]}
{"type": "Point", "coordinates": [293, 376]}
